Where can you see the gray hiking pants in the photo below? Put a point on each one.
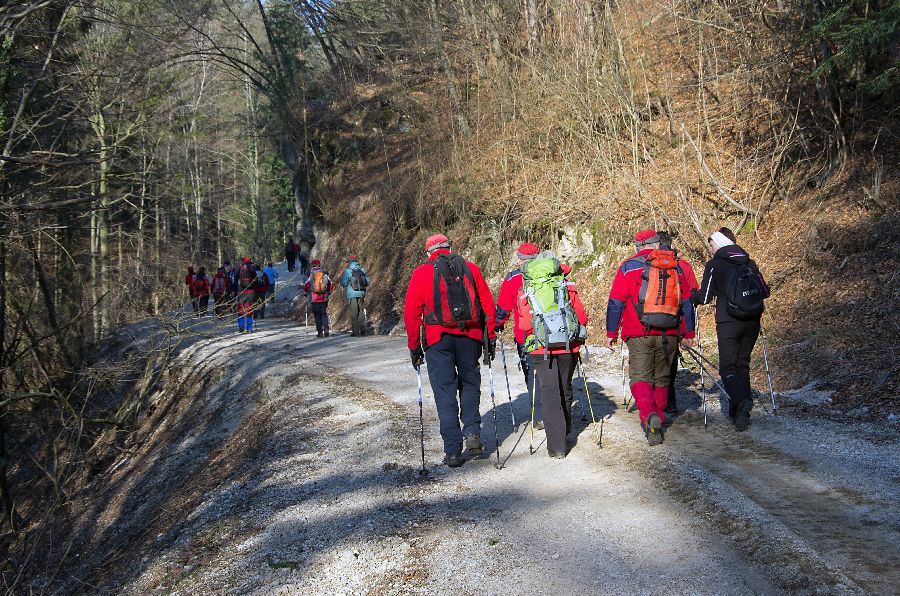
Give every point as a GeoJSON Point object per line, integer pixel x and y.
{"type": "Point", "coordinates": [357, 316]}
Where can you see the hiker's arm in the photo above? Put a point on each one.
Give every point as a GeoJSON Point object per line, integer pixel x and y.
{"type": "Point", "coordinates": [487, 304]}
{"type": "Point", "coordinates": [505, 302]}
{"type": "Point", "coordinates": [413, 307]}
{"type": "Point", "coordinates": [615, 307]}
{"type": "Point", "coordinates": [707, 289]}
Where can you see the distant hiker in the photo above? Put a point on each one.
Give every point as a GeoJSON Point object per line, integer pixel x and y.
{"type": "Point", "coordinates": [291, 250]}
{"type": "Point", "coordinates": [649, 298]}
{"type": "Point", "coordinates": [554, 324]}
{"type": "Point", "coordinates": [319, 287]}
{"type": "Point", "coordinates": [735, 281]}
{"type": "Point", "coordinates": [304, 263]}
{"type": "Point", "coordinates": [189, 284]}
{"type": "Point", "coordinates": [272, 274]}
{"type": "Point", "coordinates": [355, 281]}
{"type": "Point", "coordinates": [201, 292]}
{"type": "Point", "coordinates": [219, 289]}
{"type": "Point", "coordinates": [449, 297]}
{"type": "Point", "coordinates": [506, 307]}
{"type": "Point", "coordinates": [665, 243]}
{"type": "Point", "coordinates": [262, 291]}
{"type": "Point", "coordinates": [246, 296]}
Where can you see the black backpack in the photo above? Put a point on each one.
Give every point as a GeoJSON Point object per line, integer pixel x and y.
{"type": "Point", "coordinates": [247, 277]}
{"type": "Point", "coordinates": [358, 281]}
{"type": "Point", "coordinates": [744, 292]}
{"type": "Point", "coordinates": [453, 271]}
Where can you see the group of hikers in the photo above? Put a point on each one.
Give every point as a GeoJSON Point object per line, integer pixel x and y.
{"type": "Point", "coordinates": [452, 321]}
{"type": "Point", "coordinates": [243, 290]}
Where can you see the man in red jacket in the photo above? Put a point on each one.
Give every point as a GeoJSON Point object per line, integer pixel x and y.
{"type": "Point", "coordinates": [506, 307]}
{"type": "Point", "coordinates": [651, 350]}
{"type": "Point", "coordinates": [448, 297]}
{"type": "Point", "coordinates": [319, 287]}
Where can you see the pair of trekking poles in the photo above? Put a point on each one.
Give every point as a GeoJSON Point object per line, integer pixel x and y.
{"type": "Point", "coordinates": [700, 359]}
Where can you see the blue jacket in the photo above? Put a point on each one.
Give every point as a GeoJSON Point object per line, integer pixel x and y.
{"type": "Point", "coordinates": [273, 275]}
{"type": "Point", "coordinates": [345, 280]}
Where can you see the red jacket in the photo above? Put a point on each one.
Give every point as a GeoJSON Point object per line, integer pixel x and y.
{"type": "Point", "coordinates": [200, 287]}
{"type": "Point", "coordinates": [506, 303]}
{"type": "Point", "coordinates": [420, 303]}
{"type": "Point", "coordinates": [263, 286]}
{"type": "Point", "coordinates": [624, 294]}
{"type": "Point", "coordinates": [523, 318]}
{"type": "Point", "coordinates": [329, 287]}
{"type": "Point", "coordinates": [220, 285]}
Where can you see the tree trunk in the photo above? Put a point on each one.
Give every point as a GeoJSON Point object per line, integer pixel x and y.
{"type": "Point", "coordinates": [438, 38]}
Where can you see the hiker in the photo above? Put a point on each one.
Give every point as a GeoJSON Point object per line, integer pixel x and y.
{"type": "Point", "coordinates": [735, 281]}
{"type": "Point", "coordinates": [189, 283]}
{"type": "Point", "coordinates": [262, 290]}
{"type": "Point", "coordinates": [272, 274]}
{"type": "Point", "coordinates": [450, 299]}
{"type": "Point", "coordinates": [319, 287]}
{"type": "Point", "coordinates": [665, 243]}
{"type": "Point", "coordinates": [200, 292]}
{"type": "Point", "coordinates": [304, 264]}
{"type": "Point", "coordinates": [246, 295]}
{"type": "Point", "coordinates": [506, 307]}
{"type": "Point", "coordinates": [554, 326]}
{"type": "Point", "coordinates": [220, 285]}
{"type": "Point", "coordinates": [355, 281]}
{"type": "Point", "coordinates": [651, 326]}
{"type": "Point", "coordinates": [291, 250]}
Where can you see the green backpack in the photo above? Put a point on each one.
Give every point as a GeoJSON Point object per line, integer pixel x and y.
{"type": "Point", "coordinates": [553, 318]}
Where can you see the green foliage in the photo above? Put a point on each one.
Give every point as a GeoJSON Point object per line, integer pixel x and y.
{"type": "Point", "coordinates": [863, 35]}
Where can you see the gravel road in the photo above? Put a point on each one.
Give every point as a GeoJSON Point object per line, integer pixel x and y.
{"type": "Point", "coordinates": [288, 464]}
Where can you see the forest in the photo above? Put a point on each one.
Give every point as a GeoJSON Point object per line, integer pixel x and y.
{"type": "Point", "coordinates": [143, 136]}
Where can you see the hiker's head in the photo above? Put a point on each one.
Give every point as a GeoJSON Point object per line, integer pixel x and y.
{"type": "Point", "coordinates": [526, 252]}
{"type": "Point", "coordinates": [646, 239]}
{"type": "Point", "coordinates": [351, 259]}
{"type": "Point", "coordinates": [316, 263]}
{"type": "Point", "coordinates": [270, 265]}
{"type": "Point", "coordinates": [728, 233]}
{"type": "Point", "coordinates": [202, 271]}
{"type": "Point", "coordinates": [717, 240]}
{"type": "Point", "coordinates": [435, 242]}
{"type": "Point", "coordinates": [665, 240]}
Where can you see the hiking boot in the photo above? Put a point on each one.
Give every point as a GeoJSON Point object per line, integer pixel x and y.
{"type": "Point", "coordinates": [556, 454]}
{"type": "Point", "coordinates": [474, 448]}
{"type": "Point", "coordinates": [653, 430]}
{"type": "Point", "coordinates": [742, 415]}
{"type": "Point", "coordinates": [319, 334]}
{"type": "Point", "coordinates": [538, 425]}
{"type": "Point", "coordinates": [453, 461]}
{"type": "Point", "coordinates": [327, 333]}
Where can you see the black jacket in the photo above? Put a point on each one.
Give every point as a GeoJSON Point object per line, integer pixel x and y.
{"type": "Point", "coordinates": [714, 278]}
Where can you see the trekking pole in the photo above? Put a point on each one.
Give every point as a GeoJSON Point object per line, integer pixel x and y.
{"type": "Point", "coordinates": [762, 338]}
{"type": "Point", "coordinates": [715, 380]}
{"type": "Point", "coordinates": [489, 363]}
{"type": "Point", "coordinates": [587, 391]}
{"type": "Point", "coordinates": [508, 390]}
{"type": "Point", "coordinates": [533, 390]}
{"type": "Point", "coordinates": [702, 380]}
{"type": "Point", "coordinates": [423, 471]}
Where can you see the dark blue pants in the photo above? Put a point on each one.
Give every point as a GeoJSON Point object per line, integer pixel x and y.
{"type": "Point", "coordinates": [454, 370]}
{"type": "Point", "coordinates": [526, 363]}
{"type": "Point", "coordinates": [320, 313]}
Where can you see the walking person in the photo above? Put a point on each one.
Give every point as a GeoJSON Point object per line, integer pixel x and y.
{"type": "Point", "coordinates": [220, 286]}
{"type": "Point", "coordinates": [201, 292]}
{"type": "Point", "coordinates": [449, 303]}
{"type": "Point", "coordinates": [272, 275]}
{"type": "Point", "coordinates": [734, 280]}
{"type": "Point", "coordinates": [291, 250]}
{"type": "Point", "coordinates": [649, 299]}
{"type": "Point", "coordinates": [189, 284]}
{"type": "Point", "coordinates": [506, 308]}
{"type": "Point", "coordinates": [319, 287]}
{"type": "Point", "coordinates": [665, 243]}
{"type": "Point", "coordinates": [554, 324]}
{"type": "Point", "coordinates": [246, 296]}
{"type": "Point", "coordinates": [355, 280]}
{"type": "Point", "coordinates": [262, 290]}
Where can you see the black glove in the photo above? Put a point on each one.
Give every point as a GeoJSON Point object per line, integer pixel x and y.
{"type": "Point", "coordinates": [417, 355]}
{"type": "Point", "coordinates": [491, 351]}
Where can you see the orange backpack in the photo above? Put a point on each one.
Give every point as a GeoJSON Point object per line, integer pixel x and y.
{"type": "Point", "coordinates": [659, 300]}
{"type": "Point", "coordinates": [320, 282]}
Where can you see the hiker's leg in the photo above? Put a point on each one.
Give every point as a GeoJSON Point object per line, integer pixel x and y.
{"type": "Point", "coordinates": [441, 360]}
{"type": "Point", "coordinates": [527, 363]}
{"type": "Point", "coordinates": [641, 364]}
{"type": "Point", "coordinates": [745, 351]}
{"type": "Point", "coordinates": [468, 366]}
{"type": "Point", "coordinates": [729, 334]}
{"type": "Point", "coordinates": [354, 316]}
{"type": "Point", "coordinates": [566, 371]}
{"type": "Point", "coordinates": [666, 351]}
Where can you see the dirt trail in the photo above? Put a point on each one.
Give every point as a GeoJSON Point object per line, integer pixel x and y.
{"type": "Point", "coordinates": [292, 469]}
